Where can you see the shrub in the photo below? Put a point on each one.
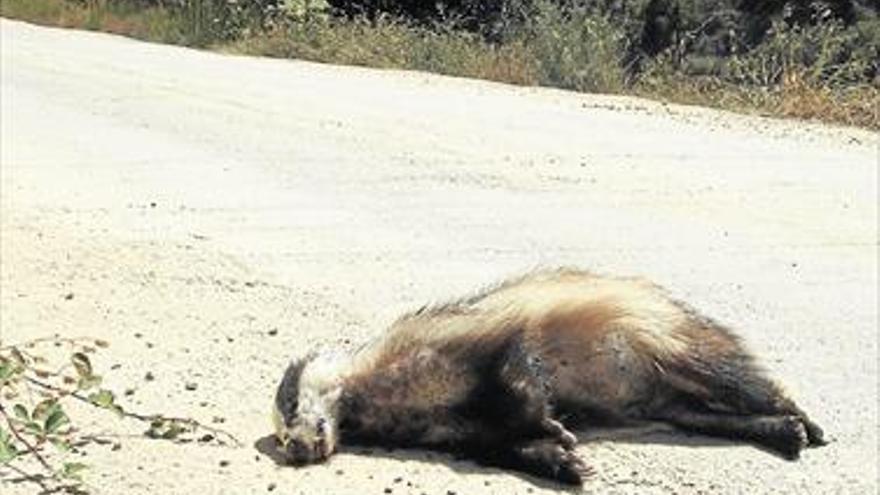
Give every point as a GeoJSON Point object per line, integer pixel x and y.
{"type": "Point", "coordinates": [574, 49]}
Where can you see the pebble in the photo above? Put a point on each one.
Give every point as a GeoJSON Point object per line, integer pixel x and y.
{"type": "Point", "coordinates": [191, 386]}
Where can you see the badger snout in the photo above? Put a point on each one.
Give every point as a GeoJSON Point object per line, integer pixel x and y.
{"type": "Point", "coordinates": [299, 452]}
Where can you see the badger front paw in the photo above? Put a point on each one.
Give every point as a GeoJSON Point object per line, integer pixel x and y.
{"type": "Point", "coordinates": [549, 458]}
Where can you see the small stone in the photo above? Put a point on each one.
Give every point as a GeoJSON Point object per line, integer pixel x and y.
{"type": "Point", "coordinates": [273, 332]}
{"type": "Point", "coordinates": [224, 463]}
{"type": "Point", "coordinates": [398, 479]}
{"type": "Point", "coordinates": [191, 386]}
{"type": "Point", "coordinates": [68, 296]}
{"type": "Point", "coordinates": [149, 376]}
{"type": "Point", "coordinates": [339, 472]}
{"type": "Point", "coordinates": [271, 487]}
{"type": "Point", "coordinates": [116, 446]}
{"type": "Point", "coordinates": [129, 391]}
{"type": "Point", "coordinates": [388, 490]}
{"type": "Point", "coordinates": [207, 437]}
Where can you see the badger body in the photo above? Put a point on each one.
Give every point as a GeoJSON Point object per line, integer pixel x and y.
{"type": "Point", "coordinates": [491, 376]}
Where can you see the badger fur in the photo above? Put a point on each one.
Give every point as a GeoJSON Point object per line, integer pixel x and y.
{"type": "Point", "coordinates": [501, 376]}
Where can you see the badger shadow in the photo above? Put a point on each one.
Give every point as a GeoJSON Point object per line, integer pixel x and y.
{"type": "Point", "coordinates": [647, 434]}
{"type": "Point", "coordinates": [268, 446]}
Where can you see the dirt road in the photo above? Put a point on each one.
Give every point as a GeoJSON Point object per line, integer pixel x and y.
{"type": "Point", "coordinates": [211, 215]}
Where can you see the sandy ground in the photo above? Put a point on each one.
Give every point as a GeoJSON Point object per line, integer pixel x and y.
{"type": "Point", "coordinates": [212, 215]}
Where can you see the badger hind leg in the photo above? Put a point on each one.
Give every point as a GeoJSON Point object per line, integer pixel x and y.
{"type": "Point", "coordinates": [723, 392]}
{"type": "Point", "coordinates": [786, 435]}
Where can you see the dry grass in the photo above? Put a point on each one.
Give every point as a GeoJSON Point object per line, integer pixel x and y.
{"type": "Point", "coordinates": [389, 44]}
{"type": "Point", "coordinates": [858, 105]}
{"type": "Point", "coordinates": [582, 54]}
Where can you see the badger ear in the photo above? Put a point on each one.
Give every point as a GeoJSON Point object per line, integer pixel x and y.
{"type": "Point", "coordinates": [287, 396]}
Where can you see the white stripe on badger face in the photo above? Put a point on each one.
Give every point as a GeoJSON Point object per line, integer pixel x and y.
{"type": "Point", "coordinates": [312, 433]}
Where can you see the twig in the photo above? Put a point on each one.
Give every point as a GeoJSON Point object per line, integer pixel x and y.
{"type": "Point", "coordinates": [147, 418]}
{"type": "Point", "coordinates": [31, 478]}
{"type": "Point", "coordinates": [64, 340]}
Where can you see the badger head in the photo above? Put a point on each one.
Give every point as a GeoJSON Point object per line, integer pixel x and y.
{"type": "Point", "coordinates": [306, 405]}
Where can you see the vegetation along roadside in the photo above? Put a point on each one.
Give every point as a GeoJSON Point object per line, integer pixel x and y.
{"type": "Point", "coordinates": [785, 58]}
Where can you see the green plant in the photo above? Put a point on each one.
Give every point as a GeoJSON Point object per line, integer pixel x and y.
{"type": "Point", "coordinates": [825, 53]}
{"type": "Point", "coordinates": [34, 421]}
{"type": "Point", "coordinates": [575, 49]}
{"type": "Point", "coordinates": [802, 59]}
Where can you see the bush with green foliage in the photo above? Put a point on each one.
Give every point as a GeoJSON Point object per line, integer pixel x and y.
{"type": "Point", "coordinates": [774, 56]}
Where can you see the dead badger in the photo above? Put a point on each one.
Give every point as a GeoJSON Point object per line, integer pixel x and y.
{"type": "Point", "coordinates": [491, 378]}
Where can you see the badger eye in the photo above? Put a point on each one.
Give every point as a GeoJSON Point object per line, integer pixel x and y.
{"type": "Point", "coordinates": [322, 423]}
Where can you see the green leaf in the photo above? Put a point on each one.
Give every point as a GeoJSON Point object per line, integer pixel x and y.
{"type": "Point", "coordinates": [33, 428]}
{"type": "Point", "coordinates": [73, 470]}
{"type": "Point", "coordinates": [7, 369]}
{"type": "Point", "coordinates": [44, 409]}
{"type": "Point", "coordinates": [82, 364]}
{"type": "Point", "coordinates": [56, 420]}
{"type": "Point", "coordinates": [166, 429]}
{"type": "Point", "coordinates": [103, 398]}
{"type": "Point", "coordinates": [87, 382]}
{"type": "Point", "coordinates": [8, 451]}
{"type": "Point", "coordinates": [61, 444]}
{"type": "Point", "coordinates": [21, 412]}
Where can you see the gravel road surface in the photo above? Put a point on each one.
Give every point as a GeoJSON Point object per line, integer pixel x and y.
{"type": "Point", "coordinates": [211, 215]}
